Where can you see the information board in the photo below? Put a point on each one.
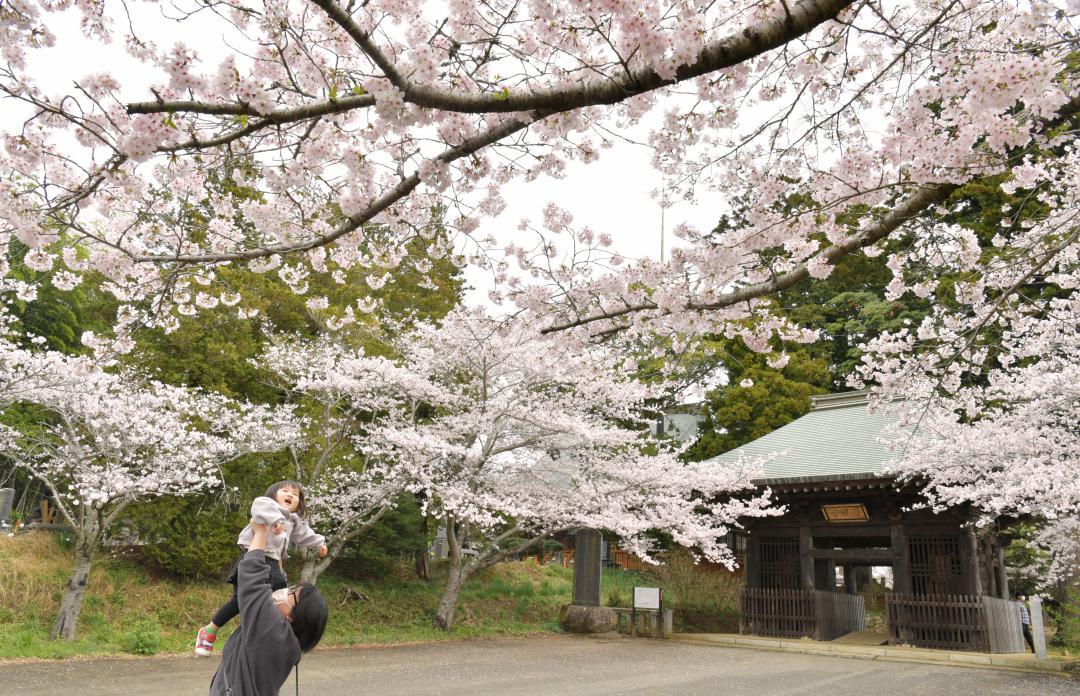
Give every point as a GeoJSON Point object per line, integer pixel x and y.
{"type": "Point", "coordinates": [647, 597]}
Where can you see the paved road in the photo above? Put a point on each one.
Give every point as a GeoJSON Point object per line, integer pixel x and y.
{"type": "Point", "coordinates": [547, 666]}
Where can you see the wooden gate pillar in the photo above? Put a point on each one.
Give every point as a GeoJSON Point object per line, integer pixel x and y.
{"type": "Point", "coordinates": [901, 561]}
{"type": "Point", "coordinates": [849, 579]}
{"type": "Point", "coordinates": [806, 561]}
{"type": "Point", "coordinates": [969, 553]}
{"type": "Point", "coordinates": [753, 561]}
{"type": "Point", "coordinates": [1002, 576]}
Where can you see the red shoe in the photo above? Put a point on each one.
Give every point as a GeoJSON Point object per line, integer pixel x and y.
{"type": "Point", "coordinates": [204, 643]}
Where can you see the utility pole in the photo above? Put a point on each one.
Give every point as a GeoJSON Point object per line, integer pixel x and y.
{"type": "Point", "coordinates": [662, 208]}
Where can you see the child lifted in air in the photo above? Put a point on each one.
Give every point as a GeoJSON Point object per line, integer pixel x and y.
{"type": "Point", "coordinates": [283, 509]}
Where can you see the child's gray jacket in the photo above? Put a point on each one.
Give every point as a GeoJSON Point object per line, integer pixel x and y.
{"type": "Point", "coordinates": [267, 511]}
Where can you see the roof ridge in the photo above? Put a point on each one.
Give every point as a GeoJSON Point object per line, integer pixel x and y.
{"type": "Point", "coordinates": [820, 402]}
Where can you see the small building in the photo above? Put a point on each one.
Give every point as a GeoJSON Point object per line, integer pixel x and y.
{"type": "Point", "coordinates": [680, 422]}
{"type": "Point", "coordinates": [845, 517]}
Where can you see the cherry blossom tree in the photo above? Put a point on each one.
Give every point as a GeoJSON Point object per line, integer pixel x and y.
{"type": "Point", "coordinates": [988, 386]}
{"type": "Point", "coordinates": [530, 437]}
{"type": "Point", "coordinates": [106, 440]}
{"type": "Point", "coordinates": [345, 393]}
{"type": "Point", "coordinates": [845, 127]}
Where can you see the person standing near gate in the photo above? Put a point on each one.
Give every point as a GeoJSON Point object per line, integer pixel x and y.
{"type": "Point", "coordinates": [1025, 620]}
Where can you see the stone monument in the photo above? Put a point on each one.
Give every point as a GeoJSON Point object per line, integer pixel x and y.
{"type": "Point", "coordinates": [585, 615]}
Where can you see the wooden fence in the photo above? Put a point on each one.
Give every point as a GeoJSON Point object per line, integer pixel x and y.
{"type": "Point", "coordinates": [838, 614]}
{"type": "Point", "coordinates": [946, 622]}
{"type": "Point", "coordinates": [781, 613]}
{"type": "Point", "coordinates": [627, 560]}
{"type": "Point", "coordinates": [1003, 625]}
{"type": "Point", "coordinates": [816, 614]}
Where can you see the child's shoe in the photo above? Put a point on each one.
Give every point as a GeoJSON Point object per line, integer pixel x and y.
{"type": "Point", "coordinates": [204, 643]}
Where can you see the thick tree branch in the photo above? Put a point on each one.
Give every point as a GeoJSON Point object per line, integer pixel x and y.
{"type": "Point", "coordinates": [724, 53]}
{"type": "Point", "coordinates": [343, 19]}
{"type": "Point", "coordinates": [299, 113]}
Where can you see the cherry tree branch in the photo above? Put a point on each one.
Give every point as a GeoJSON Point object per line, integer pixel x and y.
{"type": "Point", "coordinates": [913, 206]}
{"type": "Point", "coordinates": [751, 42]}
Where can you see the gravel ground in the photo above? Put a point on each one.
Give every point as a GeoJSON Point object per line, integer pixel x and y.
{"type": "Point", "coordinates": [545, 666]}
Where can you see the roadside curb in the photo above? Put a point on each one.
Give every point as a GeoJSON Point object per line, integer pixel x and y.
{"type": "Point", "coordinates": [883, 653]}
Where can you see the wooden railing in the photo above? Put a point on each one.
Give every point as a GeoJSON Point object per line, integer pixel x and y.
{"type": "Point", "coordinates": [781, 613]}
{"type": "Point", "coordinates": [1003, 625]}
{"type": "Point", "coordinates": [838, 614]}
{"type": "Point", "coordinates": [947, 622]}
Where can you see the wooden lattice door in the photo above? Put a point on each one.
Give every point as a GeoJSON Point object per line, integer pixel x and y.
{"type": "Point", "coordinates": [936, 565]}
{"type": "Point", "coordinates": [779, 565]}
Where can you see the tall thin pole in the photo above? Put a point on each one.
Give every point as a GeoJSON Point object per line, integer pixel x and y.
{"type": "Point", "coordinates": [661, 233]}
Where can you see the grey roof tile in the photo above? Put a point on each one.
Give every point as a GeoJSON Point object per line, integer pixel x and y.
{"type": "Point", "coordinates": [839, 439]}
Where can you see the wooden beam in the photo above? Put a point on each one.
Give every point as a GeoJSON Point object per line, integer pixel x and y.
{"type": "Point", "coordinates": [865, 555]}
{"type": "Point", "coordinates": [845, 529]}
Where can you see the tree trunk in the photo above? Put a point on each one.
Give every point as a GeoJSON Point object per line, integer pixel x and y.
{"type": "Point", "coordinates": [456, 574]}
{"type": "Point", "coordinates": [423, 564]}
{"type": "Point", "coordinates": [310, 571]}
{"type": "Point", "coordinates": [444, 614]}
{"type": "Point", "coordinates": [314, 566]}
{"type": "Point", "coordinates": [71, 605]}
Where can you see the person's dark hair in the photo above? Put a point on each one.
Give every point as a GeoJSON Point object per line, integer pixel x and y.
{"type": "Point", "coordinates": [272, 491]}
{"type": "Point", "coordinates": [308, 616]}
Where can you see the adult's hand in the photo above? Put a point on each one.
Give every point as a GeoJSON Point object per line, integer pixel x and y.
{"type": "Point", "coordinates": [261, 533]}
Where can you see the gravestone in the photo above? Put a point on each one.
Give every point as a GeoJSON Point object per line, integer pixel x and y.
{"type": "Point", "coordinates": [587, 559]}
{"type": "Point", "coordinates": [7, 499]}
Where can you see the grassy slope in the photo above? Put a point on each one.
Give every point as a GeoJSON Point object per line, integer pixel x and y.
{"type": "Point", "coordinates": [129, 610]}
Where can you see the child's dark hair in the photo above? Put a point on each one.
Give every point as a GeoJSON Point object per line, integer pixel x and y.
{"type": "Point", "coordinates": [309, 617]}
{"type": "Point", "coordinates": [272, 491]}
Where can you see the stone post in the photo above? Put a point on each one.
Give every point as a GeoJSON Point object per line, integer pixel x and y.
{"type": "Point", "coordinates": [1037, 632]}
{"type": "Point", "coordinates": [7, 499]}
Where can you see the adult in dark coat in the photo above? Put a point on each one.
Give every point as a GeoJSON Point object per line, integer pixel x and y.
{"type": "Point", "coordinates": [273, 635]}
